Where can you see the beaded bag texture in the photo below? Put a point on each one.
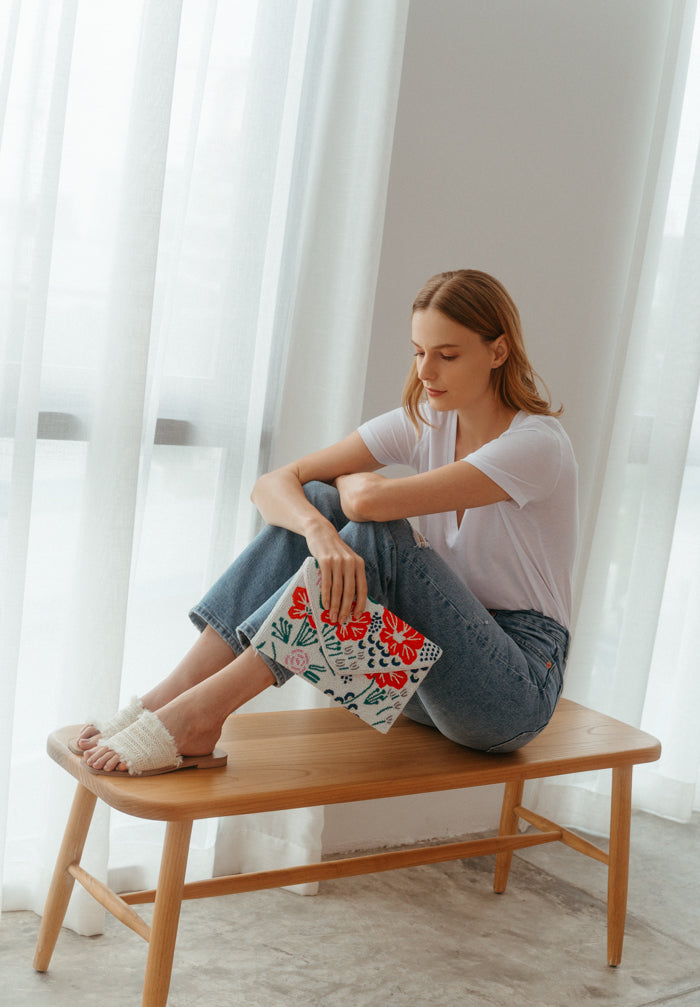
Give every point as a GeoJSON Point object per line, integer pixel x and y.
{"type": "Point", "coordinates": [370, 666]}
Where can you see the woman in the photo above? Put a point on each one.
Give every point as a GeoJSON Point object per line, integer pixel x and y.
{"type": "Point", "coordinates": [486, 575]}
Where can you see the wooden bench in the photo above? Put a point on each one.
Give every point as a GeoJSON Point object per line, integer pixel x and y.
{"type": "Point", "coordinates": [305, 758]}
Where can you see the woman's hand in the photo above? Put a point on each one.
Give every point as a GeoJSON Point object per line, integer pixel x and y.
{"type": "Point", "coordinates": [280, 498]}
{"type": "Point", "coordinates": [358, 494]}
{"type": "Point", "coordinates": [343, 582]}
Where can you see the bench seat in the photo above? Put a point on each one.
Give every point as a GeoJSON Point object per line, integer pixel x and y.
{"type": "Point", "coordinates": [304, 758]}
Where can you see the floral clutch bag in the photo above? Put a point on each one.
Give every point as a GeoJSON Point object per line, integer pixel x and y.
{"type": "Point", "coordinates": [370, 666]}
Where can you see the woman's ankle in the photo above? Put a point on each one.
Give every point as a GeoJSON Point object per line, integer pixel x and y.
{"type": "Point", "coordinates": [209, 655]}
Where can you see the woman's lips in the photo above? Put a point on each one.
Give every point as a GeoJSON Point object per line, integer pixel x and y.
{"type": "Point", "coordinates": [434, 393]}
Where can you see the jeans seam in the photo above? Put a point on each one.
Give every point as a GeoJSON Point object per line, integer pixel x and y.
{"type": "Point", "coordinates": [502, 662]}
{"type": "Point", "coordinates": [422, 573]}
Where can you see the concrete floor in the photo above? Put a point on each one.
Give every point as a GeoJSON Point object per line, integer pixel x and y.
{"type": "Point", "coordinates": [434, 935]}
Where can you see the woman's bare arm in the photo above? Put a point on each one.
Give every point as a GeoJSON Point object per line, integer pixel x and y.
{"type": "Point", "coordinates": [279, 496]}
{"type": "Point", "coordinates": [369, 496]}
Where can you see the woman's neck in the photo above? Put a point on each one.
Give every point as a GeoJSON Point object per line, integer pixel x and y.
{"type": "Point", "coordinates": [475, 430]}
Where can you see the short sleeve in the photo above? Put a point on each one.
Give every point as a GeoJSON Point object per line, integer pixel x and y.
{"type": "Point", "coordinates": [525, 461]}
{"type": "Point", "coordinates": [391, 438]}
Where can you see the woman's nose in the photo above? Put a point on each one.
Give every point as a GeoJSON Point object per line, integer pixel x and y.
{"type": "Point", "coordinates": [426, 368]}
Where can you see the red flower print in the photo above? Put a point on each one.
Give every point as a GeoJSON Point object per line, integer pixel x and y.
{"type": "Point", "coordinates": [403, 641]}
{"type": "Point", "coordinates": [300, 606]}
{"type": "Point", "coordinates": [353, 630]}
{"type": "Point", "coordinates": [396, 679]}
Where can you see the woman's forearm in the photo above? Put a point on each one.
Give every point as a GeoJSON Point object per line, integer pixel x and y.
{"type": "Point", "coordinates": [280, 499]}
{"type": "Point", "coordinates": [279, 495]}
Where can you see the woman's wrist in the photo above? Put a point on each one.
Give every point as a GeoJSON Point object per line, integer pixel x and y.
{"type": "Point", "coordinates": [315, 524]}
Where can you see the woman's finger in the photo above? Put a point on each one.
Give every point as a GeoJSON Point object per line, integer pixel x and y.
{"type": "Point", "coordinates": [338, 591]}
{"type": "Point", "coordinates": [343, 587]}
{"type": "Point", "coordinates": [360, 589]}
{"type": "Point", "coordinates": [354, 589]}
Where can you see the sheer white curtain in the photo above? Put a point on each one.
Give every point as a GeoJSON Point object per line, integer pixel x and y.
{"type": "Point", "coordinates": [637, 636]}
{"type": "Point", "coordinates": [191, 201]}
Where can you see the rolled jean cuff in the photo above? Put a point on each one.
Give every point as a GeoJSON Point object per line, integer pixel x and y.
{"type": "Point", "coordinates": [238, 641]}
{"type": "Point", "coordinates": [202, 617]}
{"type": "Point", "coordinates": [246, 631]}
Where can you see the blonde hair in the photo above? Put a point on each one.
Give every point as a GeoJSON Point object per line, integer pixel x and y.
{"type": "Point", "coordinates": [482, 304]}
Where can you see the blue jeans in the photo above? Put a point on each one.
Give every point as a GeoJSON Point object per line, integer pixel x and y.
{"type": "Point", "coordinates": [498, 680]}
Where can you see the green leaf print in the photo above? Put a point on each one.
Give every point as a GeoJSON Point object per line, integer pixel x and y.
{"type": "Point", "coordinates": [305, 636]}
{"type": "Point", "coordinates": [282, 630]}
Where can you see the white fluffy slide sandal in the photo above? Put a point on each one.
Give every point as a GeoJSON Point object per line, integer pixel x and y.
{"type": "Point", "coordinates": [147, 748]}
{"type": "Point", "coordinates": [107, 728]}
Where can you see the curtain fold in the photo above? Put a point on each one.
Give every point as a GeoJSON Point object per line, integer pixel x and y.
{"type": "Point", "coordinates": [330, 248]}
{"type": "Point", "coordinates": [171, 222]}
{"type": "Point", "coordinates": [333, 241]}
{"type": "Point", "coordinates": [672, 786]}
{"type": "Point", "coordinates": [32, 178]}
{"type": "Point", "coordinates": [103, 571]}
{"type": "Point", "coordinates": [632, 645]}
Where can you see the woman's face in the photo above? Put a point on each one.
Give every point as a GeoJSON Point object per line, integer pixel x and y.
{"type": "Point", "coordinates": [453, 362]}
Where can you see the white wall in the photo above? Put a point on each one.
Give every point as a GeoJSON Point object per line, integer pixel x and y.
{"type": "Point", "coordinates": [524, 146]}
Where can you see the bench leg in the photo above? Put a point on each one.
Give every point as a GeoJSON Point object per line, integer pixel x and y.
{"type": "Point", "coordinates": [618, 864]}
{"type": "Point", "coordinates": [62, 882]}
{"type": "Point", "coordinates": [166, 914]}
{"type": "Point", "coordinates": [512, 797]}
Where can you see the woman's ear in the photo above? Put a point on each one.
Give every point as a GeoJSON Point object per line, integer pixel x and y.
{"type": "Point", "coordinates": [500, 349]}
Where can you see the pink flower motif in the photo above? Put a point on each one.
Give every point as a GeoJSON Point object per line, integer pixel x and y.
{"type": "Point", "coordinates": [396, 679]}
{"type": "Point", "coordinates": [297, 661]}
{"type": "Point", "coordinates": [353, 630]}
{"type": "Point", "coordinates": [301, 608]}
{"type": "Point", "coordinates": [402, 641]}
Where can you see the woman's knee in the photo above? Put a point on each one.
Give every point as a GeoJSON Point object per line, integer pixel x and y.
{"type": "Point", "coordinates": [325, 498]}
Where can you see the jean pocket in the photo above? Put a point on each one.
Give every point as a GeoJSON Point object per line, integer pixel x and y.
{"type": "Point", "coordinates": [534, 652]}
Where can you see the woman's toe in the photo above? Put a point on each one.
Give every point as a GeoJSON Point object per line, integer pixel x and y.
{"type": "Point", "coordinates": [103, 758]}
{"type": "Point", "coordinates": [88, 737]}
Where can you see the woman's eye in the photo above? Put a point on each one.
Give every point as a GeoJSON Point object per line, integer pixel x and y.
{"type": "Point", "coordinates": [443, 356]}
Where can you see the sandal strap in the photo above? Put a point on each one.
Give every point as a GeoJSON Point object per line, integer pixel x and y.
{"type": "Point", "coordinates": [146, 744]}
{"type": "Point", "coordinates": [127, 715]}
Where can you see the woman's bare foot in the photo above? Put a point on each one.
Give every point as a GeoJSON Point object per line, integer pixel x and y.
{"type": "Point", "coordinates": [209, 654]}
{"type": "Point", "coordinates": [195, 718]}
{"type": "Point", "coordinates": [191, 734]}
{"type": "Point", "coordinates": [91, 733]}
{"type": "Point", "coordinates": [88, 737]}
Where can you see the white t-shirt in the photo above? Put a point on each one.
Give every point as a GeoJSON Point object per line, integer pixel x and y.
{"type": "Point", "coordinates": [513, 555]}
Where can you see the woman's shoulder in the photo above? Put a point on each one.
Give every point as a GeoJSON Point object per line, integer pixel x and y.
{"type": "Point", "coordinates": [530, 459]}
{"type": "Point", "coordinates": [535, 437]}
{"type": "Point", "coordinates": [535, 421]}
{"type": "Point", "coordinates": [542, 441]}
{"type": "Point", "coordinates": [540, 425]}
